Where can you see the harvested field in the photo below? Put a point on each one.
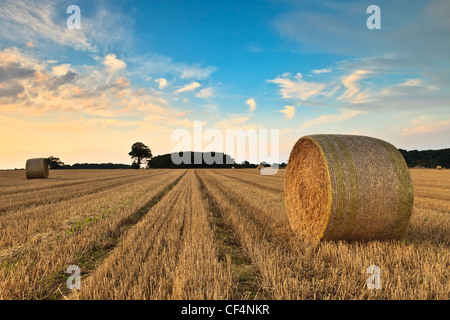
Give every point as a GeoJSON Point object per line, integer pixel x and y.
{"type": "Point", "coordinates": [203, 234]}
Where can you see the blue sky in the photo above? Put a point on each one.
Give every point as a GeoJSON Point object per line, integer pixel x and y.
{"type": "Point", "coordinates": [138, 70]}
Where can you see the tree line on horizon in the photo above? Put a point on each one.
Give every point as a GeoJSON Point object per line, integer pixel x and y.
{"type": "Point", "coordinates": [427, 158]}
{"type": "Point", "coordinates": [141, 154]}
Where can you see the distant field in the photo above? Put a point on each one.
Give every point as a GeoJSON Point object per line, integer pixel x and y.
{"type": "Point", "coordinates": [202, 234]}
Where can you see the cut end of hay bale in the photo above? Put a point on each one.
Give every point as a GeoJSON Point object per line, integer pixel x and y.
{"type": "Point", "coordinates": [306, 188]}
{"type": "Point", "coordinates": [37, 168]}
{"type": "Point", "coordinates": [347, 187]}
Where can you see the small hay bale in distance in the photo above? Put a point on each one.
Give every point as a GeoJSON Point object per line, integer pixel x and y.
{"type": "Point", "coordinates": [439, 168]}
{"type": "Point", "coordinates": [347, 187]}
{"type": "Point", "coordinates": [37, 168]}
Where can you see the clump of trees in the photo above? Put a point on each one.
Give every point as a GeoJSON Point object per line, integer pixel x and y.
{"type": "Point", "coordinates": [55, 163]}
{"type": "Point", "coordinates": [139, 153]}
{"type": "Point", "coordinates": [427, 158]}
{"type": "Point", "coordinates": [165, 160]}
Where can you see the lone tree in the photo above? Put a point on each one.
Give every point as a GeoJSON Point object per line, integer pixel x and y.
{"type": "Point", "coordinates": [54, 162]}
{"type": "Point", "coordinates": [138, 153]}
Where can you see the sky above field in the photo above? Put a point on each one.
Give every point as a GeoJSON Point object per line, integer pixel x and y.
{"type": "Point", "coordinates": [138, 70]}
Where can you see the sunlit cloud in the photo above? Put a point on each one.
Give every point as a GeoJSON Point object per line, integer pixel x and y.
{"type": "Point", "coordinates": [289, 111]}
{"type": "Point", "coordinates": [61, 69]}
{"type": "Point", "coordinates": [113, 64]}
{"type": "Point", "coordinates": [252, 104]}
{"type": "Point", "coordinates": [162, 83]}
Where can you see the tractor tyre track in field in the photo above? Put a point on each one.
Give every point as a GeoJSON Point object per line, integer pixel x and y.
{"type": "Point", "coordinates": [253, 212]}
{"type": "Point", "coordinates": [230, 246]}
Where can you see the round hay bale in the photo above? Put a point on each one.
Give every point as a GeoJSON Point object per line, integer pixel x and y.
{"type": "Point", "coordinates": [37, 168]}
{"type": "Point", "coordinates": [347, 187]}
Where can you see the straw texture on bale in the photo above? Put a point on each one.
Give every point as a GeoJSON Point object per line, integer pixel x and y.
{"type": "Point", "coordinates": [37, 168]}
{"type": "Point", "coordinates": [347, 187]}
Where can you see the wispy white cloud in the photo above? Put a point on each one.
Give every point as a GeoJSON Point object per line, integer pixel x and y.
{"type": "Point", "coordinates": [412, 83]}
{"type": "Point", "coordinates": [22, 20]}
{"type": "Point", "coordinates": [326, 26]}
{"type": "Point", "coordinates": [25, 19]}
{"type": "Point", "coordinates": [163, 66]}
{"type": "Point", "coordinates": [298, 88]}
{"type": "Point", "coordinates": [333, 91]}
{"type": "Point", "coordinates": [206, 93]}
{"type": "Point", "coordinates": [196, 72]}
{"type": "Point", "coordinates": [351, 82]}
{"type": "Point", "coordinates": [236, 121]}
{"type": "Point", "coordinates": [189, 87]}
{"type": "Point", "coordinates": [426, 125]}
{"type": "Point", "coordinates": [327, 118]}
{"type": "Point", "coordinates": [325, 70]}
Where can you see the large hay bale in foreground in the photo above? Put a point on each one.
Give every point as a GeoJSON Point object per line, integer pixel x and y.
{"type": "Point", "coordinates": [37, 168]}
{"type": "Point", "coordinates": [348, 187]}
